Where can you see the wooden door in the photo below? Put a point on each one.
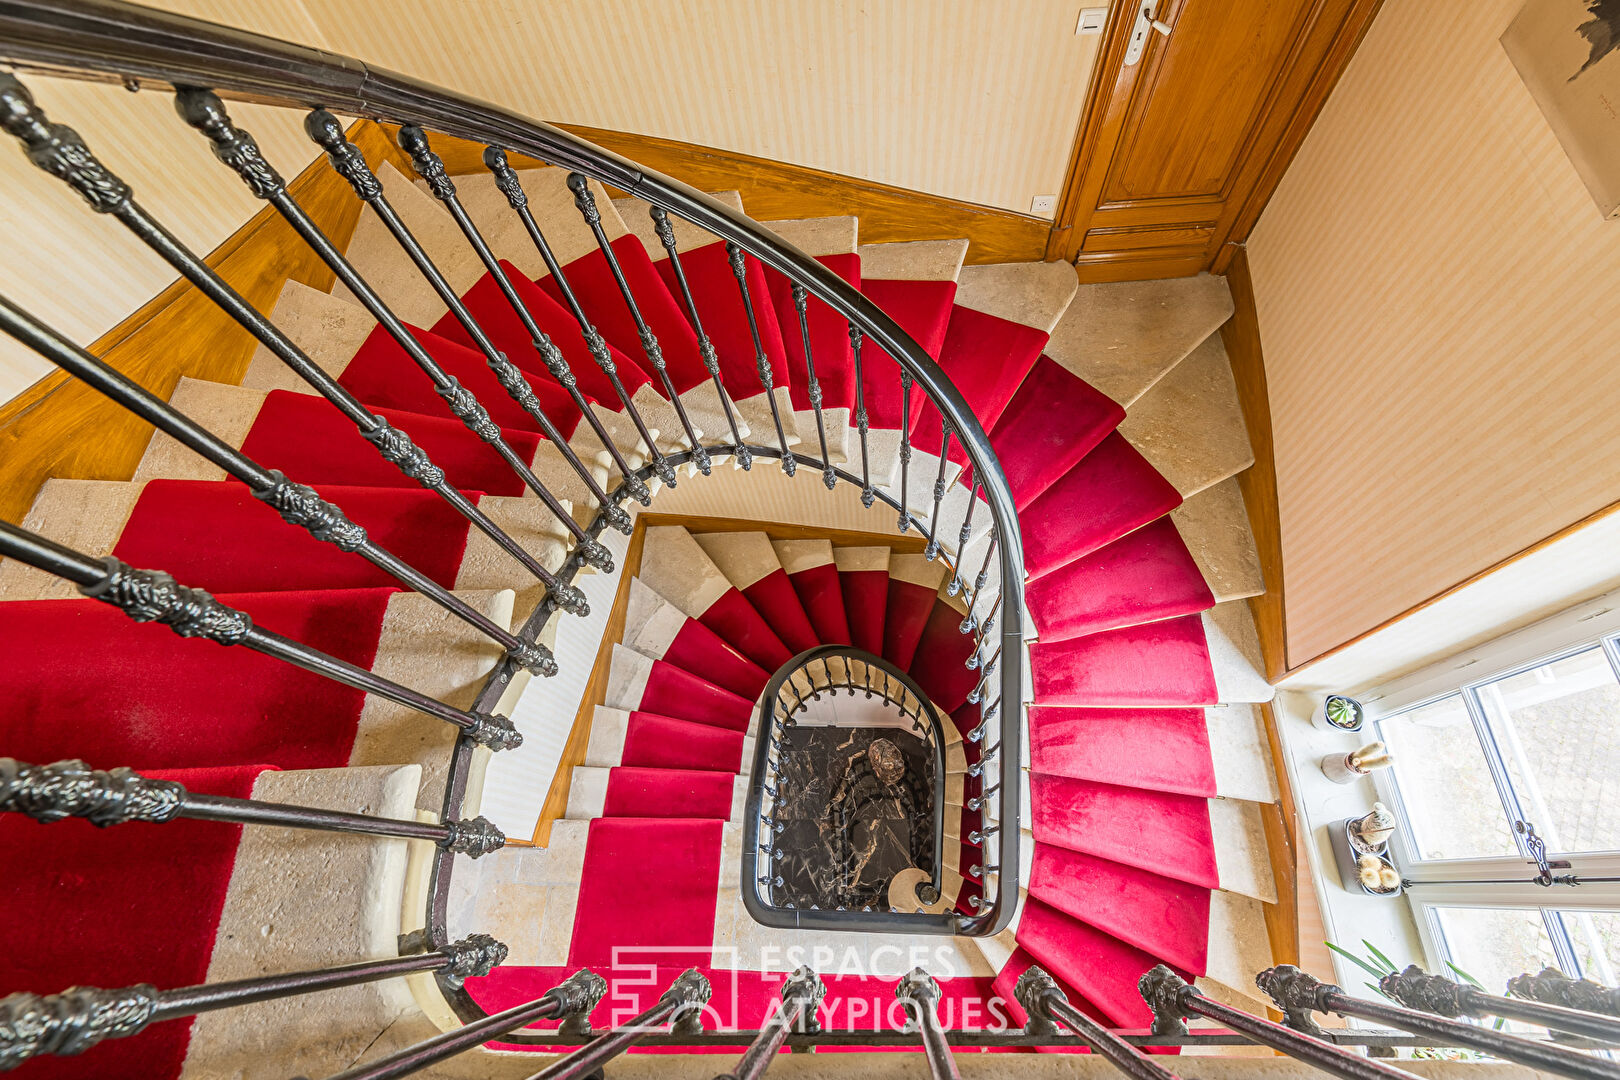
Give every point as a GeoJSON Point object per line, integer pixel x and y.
{"type": "Point", "coordinates": [1178, 152]}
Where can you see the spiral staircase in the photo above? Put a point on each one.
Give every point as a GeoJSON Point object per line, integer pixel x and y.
{"type": "Point", "coordinates": [1064, 590]}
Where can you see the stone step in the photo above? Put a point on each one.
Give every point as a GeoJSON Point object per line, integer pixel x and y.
{"type": "Point", "coordinates": [1214, 524]}
{"type": "Point", "coordinates": [1189, 425]}
{"type": "Point", "coordinates": [1122, 337]}
{"type": "Point", "coordinates": [300, 900]}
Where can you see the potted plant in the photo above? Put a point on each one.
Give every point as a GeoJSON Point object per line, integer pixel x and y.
{"type": "Point", "coordinates": [1339, 713]}
{"type": "Point", "coordinates": [1348, 768]}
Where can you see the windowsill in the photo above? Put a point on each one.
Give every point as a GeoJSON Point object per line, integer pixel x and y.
{"type": "Point", "coordinates": [1347, 916]}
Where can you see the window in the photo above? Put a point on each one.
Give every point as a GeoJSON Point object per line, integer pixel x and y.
{"type": "Point", "coordinates": [1496, 753]}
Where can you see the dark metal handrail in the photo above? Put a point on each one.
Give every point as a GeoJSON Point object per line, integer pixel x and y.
{"type": "Point", "coordinates": [125, 42]}
{"type": "Point", "coordinates": [767, 729]}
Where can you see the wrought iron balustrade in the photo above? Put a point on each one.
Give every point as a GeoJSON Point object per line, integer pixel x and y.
{"type": "Point", "coordinates": [826, 672]}
{"type": "Point", "coordinates": [206, 66]}
{"type": "Point", "coordinates": [71, 1022]}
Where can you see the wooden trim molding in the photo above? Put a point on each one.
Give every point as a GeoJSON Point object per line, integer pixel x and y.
{"type": "Point", "coordinates": [45, 430]}
{"type": "Point", "coordinates": [1281, 825]}
{"type": "Point", "coordinates": [1241, 336]}
{"type": "Point", "coordinates": [775, 190]}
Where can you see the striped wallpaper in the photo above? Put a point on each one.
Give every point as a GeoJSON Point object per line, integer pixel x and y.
{"type": "Point", "coordinates": [976, 99]}
{"type": "Point", "coordinates": [1439, 303]}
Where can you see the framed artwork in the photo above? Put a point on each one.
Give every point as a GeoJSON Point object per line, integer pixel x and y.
{"type": "Point", "coordinates": [1568, 54]}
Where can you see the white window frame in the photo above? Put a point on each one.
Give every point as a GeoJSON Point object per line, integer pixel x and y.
{"type": "Point", "coordinates": [1577, 629]}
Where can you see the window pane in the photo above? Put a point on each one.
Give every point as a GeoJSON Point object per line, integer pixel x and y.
{"type": "Point", "coordinates": [1451, 801]}
{"type": "Point", "coordinates": [1596, 937]}
{"type": "Point", "coordinates": [1558, 730]}
{"type": "Point", "coordinates": [1495, 944]}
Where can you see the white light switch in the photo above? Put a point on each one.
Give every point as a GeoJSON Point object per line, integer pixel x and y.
{"type": "Point", "coordinates": [1092, 20]}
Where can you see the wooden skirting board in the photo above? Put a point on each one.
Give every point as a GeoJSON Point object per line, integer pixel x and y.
{"type": "Point", "coordinates": [1240, 334]}
{"type": "Point", "coordinates": [775, 190]}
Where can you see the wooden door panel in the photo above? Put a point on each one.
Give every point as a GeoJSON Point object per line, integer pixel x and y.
{"type": "Point", "coordinates": [1198, 96]}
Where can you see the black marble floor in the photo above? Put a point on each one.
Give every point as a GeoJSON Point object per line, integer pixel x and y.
{"type": "Point", "coordinates": [860, 811]}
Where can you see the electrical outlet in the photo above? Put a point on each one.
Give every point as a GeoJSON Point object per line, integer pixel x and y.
{"type": "Point", "coordinates": [1092, 20]}
{"type": "Point", "coordinates": [1043, 204]}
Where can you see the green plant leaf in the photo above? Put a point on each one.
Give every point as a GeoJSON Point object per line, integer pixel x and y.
{"type": "Point", "coordinates": [1464, 976]}
{"type": "Point", "coordinates": [1356, 960]}
{"type": "Point", "coordinates": [1380, 956]}
{"type": "Point", "coordinates": [1374, 988]}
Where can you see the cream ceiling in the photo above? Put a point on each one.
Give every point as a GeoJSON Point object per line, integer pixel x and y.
{"type": "Point", "coordinates": [973, 99]}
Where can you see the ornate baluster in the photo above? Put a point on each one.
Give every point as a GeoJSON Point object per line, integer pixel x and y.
{"type": "Point", "coordinates": [681, 1007]}
{"type": "Point", "coordinates": [60, 151]}
{"type": "Point", "coordinates": [801, 996]}
{"type": "Point", "coordinates": [905, 448]}
{"type": "Point", "coordinates": [954, 586]}
{"type": "Point", "coordinates": [506, 179]}
{"type": "Point", "coordinates": [430, 168]}
{"type": "Point", "coordinates": [711, 361]}
{"type": "Point", "coordinates": [65, 789]}
{"type": "Point", "coordinates": [977, 693]}
{"type": "Point", "coordinates": [1552, 987]}
{"type": "Point", "coordinates": [931, 551]}
{"type": "Point", "coordinates": [920, 993]}
{"type": "Point", "coordinates": [989, 623]}
{"type": "Point", "coordinates": [71, 1022]}
{"type": "Point", "coordinates": [597, 346]}
{"type": "Point", "coordinates": [813, 385]}
{"type": "Point", "coordinates": [739, 270]}
{"type": "Point", "coordinates": [1417, 989]}
{"type": "Point", "coordinates": [153, 596]}
{"type": "Point", "coordinates": [571, 1001]}
{"type": "Point", "coordinates": [1173, 1000]}
{"type": "Point", "coordinates": [203, 110]}
{"type": "Point", "coordinates": [978, 800]}
{"type": "Point", "coordinates": [979, 582]}
{"type": "Point", "coordinates": [863, 423]}
{"type": "Point", "coordinates": [1038, 994]}
{"type": "Point", "coordinates": [349, 163]}
{"type": "Point", "coordinates": [1298, 994]}
{"type": "Point", "coordinates": [585, 203]}
{"type": "Point", "coordinates": [297, 504]}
